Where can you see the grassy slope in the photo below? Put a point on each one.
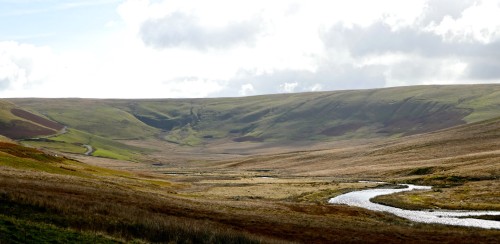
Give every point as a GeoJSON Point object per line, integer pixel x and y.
{"type": "Point", "coordinates": [18, 127]}
{"type": "Point", "coordinates": [24, 158]}
{"type": "Point", "coordinates": [5, 114]}
{"type": "Point", "coordinates": [468, 150]}
{"type": "Point", "coordinates": [97, 117]}
{"type": "Point", "coordinates": [22, 230]}
{"type": "Point", "coordinates": [321, 116]}
{"type": "Point", "coordinates": [286, 117]}
{"type": "Point", "coordinates": [73, 140]}
{"type": "Point", "coordinates": [89, 116]}
{"type": "Point", "coordinates": [281, 119]}
{"type": "Point", "coordinates": [103, 147]}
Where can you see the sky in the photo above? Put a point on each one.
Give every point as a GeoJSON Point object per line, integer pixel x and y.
{"type": "Point", "coordinates": [224, 48]}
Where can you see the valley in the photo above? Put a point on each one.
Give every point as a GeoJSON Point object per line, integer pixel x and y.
{"type": "Point", "coordinates": [248, 170]}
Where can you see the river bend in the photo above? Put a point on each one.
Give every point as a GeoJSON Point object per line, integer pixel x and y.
{"type": "Point", "coordinates": [447, 217]}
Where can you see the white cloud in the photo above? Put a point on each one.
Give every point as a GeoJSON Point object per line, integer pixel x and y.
{"type": "Point", "coordinates": [418, 70]}
{"type": "Point", "coordinates": [195, 48]}
{"type": "Point", "coordinates": [178, 29]}
{"type": "Point", "coordinates": [246, 89]}
{"type": "Point", "coordinates": [316, 87]}
{"type": "Point", "coordinates": [195, 87]}
{"type": "Point", "coordinates": [289, 86]}
{"type": "Point", "coordinates": [22, 66]}
{"type": "Point", "coordinates": [478, 23]}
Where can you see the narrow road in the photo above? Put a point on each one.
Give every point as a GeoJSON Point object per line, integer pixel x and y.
{"type": "Point", "coordinates": [64, 130]}
{"type": "Point", "coordinates": [89, 151]}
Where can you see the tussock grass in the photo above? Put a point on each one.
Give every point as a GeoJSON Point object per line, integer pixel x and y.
{"type": "Point", "coordinates": [95, 206]}
{"type": "Point", "coordinates": [14, 230]}
{"type": "Point", "coordinates": [276, 189]}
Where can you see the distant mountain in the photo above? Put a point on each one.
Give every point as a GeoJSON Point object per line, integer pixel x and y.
{"type": "Point", "coordinates": [280, 119]}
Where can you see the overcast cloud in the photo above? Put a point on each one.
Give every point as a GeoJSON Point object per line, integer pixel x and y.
{"type": "Point", "coordinates": [191, 48]}
{"type": "Point", "coordinates": [181, 30]}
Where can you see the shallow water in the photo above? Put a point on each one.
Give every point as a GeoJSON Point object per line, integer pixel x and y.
{"type": "Point", "coordinates": [448, 217]}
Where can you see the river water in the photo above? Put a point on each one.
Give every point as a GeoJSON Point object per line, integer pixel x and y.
{"type": "Point", "coordinates": [448, 217]}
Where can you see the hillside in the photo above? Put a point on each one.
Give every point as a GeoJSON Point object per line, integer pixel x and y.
{"type": "Point", "coordinates": [130, 129]}
{"type": "Point", "coordinates": [17, 123]}
{"type": "Point", "coordinates": [467, 151]}
{"type": "Point", "coordinates": [320, 116]}
{"type": "Point", "coordinates": [462, 164]}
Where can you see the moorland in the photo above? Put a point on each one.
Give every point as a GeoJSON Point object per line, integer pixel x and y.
{"type": "Point", "coordinates": [250, 169]}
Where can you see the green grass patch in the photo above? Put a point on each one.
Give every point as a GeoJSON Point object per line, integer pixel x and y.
{"type": "Point", "coordinates": [103, 147]}
{"type": "Point", "coordinates": [20, 157]}
{"type": "Point", "coordinates": [22, 231]}
{"type": "Point", "coordinates": [185, 136]}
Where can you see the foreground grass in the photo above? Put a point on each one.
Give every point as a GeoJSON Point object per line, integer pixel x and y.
{"type": "Point", "coordinates": [99, 206]}
{"type": "Point", "coordinates": [127, 206]}
{"type": "Point", "coordinates": [46, 194]}
{"type": "Point", "coordinates": [22, 222]}
{"type": "Point", "coordinates": [151, 214]}
{"type": "Point", "coordinates": [13, 230]}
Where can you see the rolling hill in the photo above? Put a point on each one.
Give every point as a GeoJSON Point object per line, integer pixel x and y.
{"type": "Point", "coordinates": [467, 151]}
{"type": "Point", "coordinates": [280, 119]}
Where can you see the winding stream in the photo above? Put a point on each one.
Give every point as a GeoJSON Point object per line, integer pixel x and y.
{"type": "Point", "coordinates": [448, 217]}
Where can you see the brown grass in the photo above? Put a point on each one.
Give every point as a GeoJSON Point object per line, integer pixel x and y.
{"type": "Point", "coordinates": [37, 119]}
{"type": "Point", "coordinates": [131, 208]}
{"type": "Point", "coordinates": [20, 129]}
{"type": "Point", "coordinates": [468, 151]}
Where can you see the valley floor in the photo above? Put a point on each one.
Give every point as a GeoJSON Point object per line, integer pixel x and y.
{"type": "Point", "coordinates": [106, 205]}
